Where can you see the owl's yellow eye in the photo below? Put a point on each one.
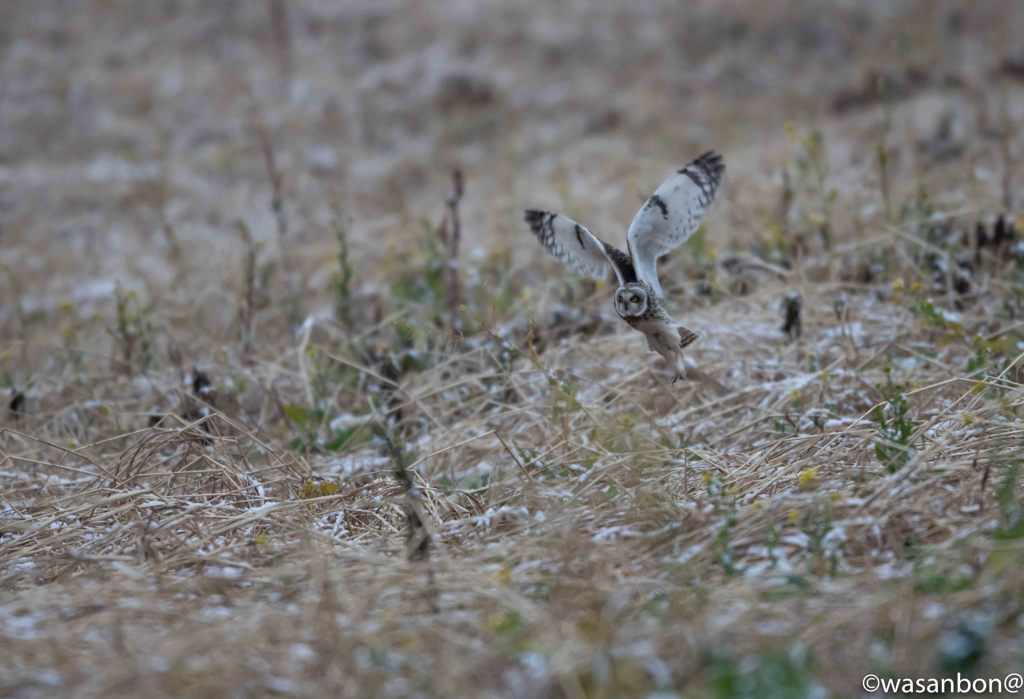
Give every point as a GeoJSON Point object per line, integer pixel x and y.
{"type": "Point", "coordinates": [635, 299]}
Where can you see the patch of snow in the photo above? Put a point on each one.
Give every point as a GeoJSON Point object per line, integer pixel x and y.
{"type": "Point", "coordinates": [106, 168]}
{"type": "Point", "coordinates": [299, 652]}
{"type": "Point", "coordinates": [615, 533]}
{"type": "Point", "coordinates": [890, 570]}
{"type": "Point", "coordinates": [281, 685]}
{"type": "Point", "coordinates": [500, 514]}
{"type": "Point", "coordinates": [855, 331]}
{"type": "Point", "coordinates": [324, 158]}
{"type": "Point", "coordinates": [215, 613]}
{"type": "Point", "coordinates": [356, 463]}
{"type": "Point", "coordinates": [836, 423]}
{"type": "Point", "coordinates": [347, 421]}
{"type": "Point", "coordinates": [224, 572]}
{"type": "Point", "coordinates": [685, 555]}
{"type": "Point", "coordinates": [21, 626]}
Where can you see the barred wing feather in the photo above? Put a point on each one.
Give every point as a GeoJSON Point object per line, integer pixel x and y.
{"type": "Point", "coordinates": [672, 214]}
{"type": "Point", "coordinates": [577, 248]}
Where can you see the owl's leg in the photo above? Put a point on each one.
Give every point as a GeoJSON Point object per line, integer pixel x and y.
{"type": "Point", "coordinates": [686, 337]}
{"type": "Point", "coordinates": [680, 367]}
{"type": "Point", "coordinates": [668, 352]}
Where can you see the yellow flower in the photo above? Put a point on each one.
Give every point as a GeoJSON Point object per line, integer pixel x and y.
{"type": "Point", "coordinates": [807, 480]}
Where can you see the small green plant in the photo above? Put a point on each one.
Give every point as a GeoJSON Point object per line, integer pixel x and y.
{"type": "Point", "coordinates": [925, 309]}
{"type": "Point", "coordinates": [962, 647]}
{"type": "Point", "coordinates": [882, 162]}
{"type": "Point", "coordinates": [1012, 526]}
{"type": "Point", "coordinates": [134, 330]}
{"type": "Point", "coordinates": [724, 501]}
{"type": "Point", "coordinates": [491, 293]}
{"type": "Point", "coordinates": [471, 483]}
{"type": "Point", "coordinates": [343, 278]}
{"type": "Point", "coordinates": [992, 354]}
{"type": "Point", "coordinates": [813, 195]}
{"type": "Point", "coordinates": [920, 211]}
{"type": "Point", "coordinates": [772, 541]}
{"type": "Point", "coordinates": [421, 279]}
{"type": "Point", "coordinates": [932, 579]}
{"type": "Point", "coordinates": [776, 246]}
{"type": "Point", "coordinates": [816, 524]}
{"type": "Point", "coordinates": [430, 277]}
{"type": "Point", "coordinates": [563, 400]}
{"type": "Point", "coordinates": [786, 672]}
{"type": "Point", "coordinates": [509, 631]}
{"type": "Point", "coordinates": [895, 426]}
{"type": "Point", "coordinates": [313, 422]}
{"type": "Point", "coordinates": [980, 359]}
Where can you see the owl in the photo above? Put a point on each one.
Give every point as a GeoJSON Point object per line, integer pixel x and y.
{"type": "Point", "coordinates": [669, 217]}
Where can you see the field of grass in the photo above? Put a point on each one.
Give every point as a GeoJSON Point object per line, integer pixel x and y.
{"type": "Point", "coordinates": [291, 409]}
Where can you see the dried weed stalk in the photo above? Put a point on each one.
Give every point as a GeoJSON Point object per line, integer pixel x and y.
{"type": "Point", "coordinates": [450, 233]}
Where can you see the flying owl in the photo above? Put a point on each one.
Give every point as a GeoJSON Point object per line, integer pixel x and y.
{"type": "Point", "coordinates": [671, 215]}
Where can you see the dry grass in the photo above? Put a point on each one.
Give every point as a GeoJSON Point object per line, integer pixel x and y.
{"type": "Point", "coordinates": [321, 458]}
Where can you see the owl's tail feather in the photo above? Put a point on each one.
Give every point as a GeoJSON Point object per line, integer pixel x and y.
{"type": "Point", "coordinates": [686, 336]}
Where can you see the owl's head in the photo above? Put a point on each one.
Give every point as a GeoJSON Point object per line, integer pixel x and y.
{"type": "Point", "coordinates": [632, 300]}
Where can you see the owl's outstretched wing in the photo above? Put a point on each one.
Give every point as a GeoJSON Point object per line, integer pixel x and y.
{"type": "Point", "coordinates": [673, 214]}
{"type": "Point", "coordinates": [577, 248]}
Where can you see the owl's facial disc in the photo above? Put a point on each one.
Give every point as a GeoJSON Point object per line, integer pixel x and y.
{"type": "Point", "coordinates": [631, 301]}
